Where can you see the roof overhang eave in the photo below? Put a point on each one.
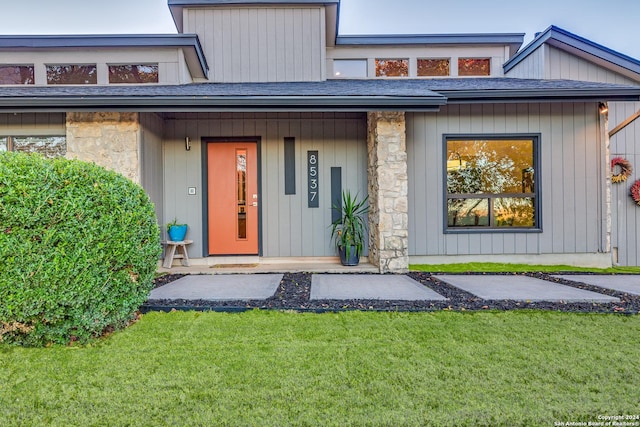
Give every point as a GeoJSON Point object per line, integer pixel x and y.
{"type": "Point", "coordinates": [537, 95]}
{"type": "Point", "coordinates": [207, 103]}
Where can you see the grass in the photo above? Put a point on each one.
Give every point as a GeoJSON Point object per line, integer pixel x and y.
{"type": "Point", "coordinates": [348, 368]}
{"type": "Point", "coordinates": [488, 267]}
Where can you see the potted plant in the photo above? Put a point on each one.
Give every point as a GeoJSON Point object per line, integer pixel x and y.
{"type": "Point", "coordinates": [349, 230]}
{"type": "Point", "coordinates": [176, 231]}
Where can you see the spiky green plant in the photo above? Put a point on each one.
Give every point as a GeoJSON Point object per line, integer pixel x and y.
{"type": "Point", "coordinates": [349, 230]}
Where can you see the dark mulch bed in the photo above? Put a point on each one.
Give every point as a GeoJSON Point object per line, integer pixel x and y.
{"type": "Point", "coordinates": [295, 289]}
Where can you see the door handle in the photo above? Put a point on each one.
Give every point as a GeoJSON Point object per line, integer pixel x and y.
{"type": "Point", "coordinates": [254, 204]}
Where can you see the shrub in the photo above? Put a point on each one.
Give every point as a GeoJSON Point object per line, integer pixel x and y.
{"type": "Point", "coordinates": [78, 249]}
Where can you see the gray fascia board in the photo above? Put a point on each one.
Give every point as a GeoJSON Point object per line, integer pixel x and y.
{"type": "Point", "coordinates": [248, 102]}
{"type": "Point", "coordinates": [557, 34]}
{"type": "Point", "coordinates": [444, 39]}
{"type": "Point", "coordinates": [185, 41]}
{"type": "Point", "coordinates": [537, 95]}
{"type": "Point", "coordinates": [247, 2]}
{"type": "Point", "coordinates": [95, 40]}
{"type": "Point", "coordinates": [222, 109]}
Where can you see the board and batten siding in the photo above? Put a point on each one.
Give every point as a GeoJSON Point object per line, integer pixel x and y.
{"type": "Point", "coordinates": [533, 66]}
{"type": "Point", "coordinates": [33, 124]}
{"type": "Point", "coordinates": [564, 65]}
{"type": "Point", "coordinates": [261, 44]}
{"type": "Point", "coordinates": [625, 237]}
{"type": "Point", "coordinates": [151, 131]}
{"type": "Point", "coordinates": [289, 227]}
{"type": "Point", "coordinates": [548, 62]}
{"type": "Point", "coordinates": [571, 194]}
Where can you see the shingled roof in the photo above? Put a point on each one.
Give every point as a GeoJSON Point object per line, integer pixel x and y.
{"type": "Point", "coordinates": [360, 95]}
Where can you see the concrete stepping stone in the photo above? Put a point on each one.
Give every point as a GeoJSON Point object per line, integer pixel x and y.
{"type": "Point", "coordinates": [370, 287]}
{"type": "Point", "coordinates": [621, 282]}
{"type": "Point", "coordinates": [521, 288]}
{"type": "Point", "coordinates": [220, 287]}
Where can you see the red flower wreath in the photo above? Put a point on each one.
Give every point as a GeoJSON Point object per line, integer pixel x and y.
{"type": "Point", "coordinates": [625, 169]}
{"type": "Point", "coordinates": [635, 192]}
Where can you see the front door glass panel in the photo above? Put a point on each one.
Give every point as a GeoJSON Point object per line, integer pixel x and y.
{"type": "Point", "coordinates": [241, 191]}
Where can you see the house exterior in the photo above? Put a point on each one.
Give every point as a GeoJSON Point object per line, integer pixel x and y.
{"type": "Point", "coordinates": [249, 123]}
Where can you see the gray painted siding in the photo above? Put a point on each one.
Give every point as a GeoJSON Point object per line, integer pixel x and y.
{"type": "Point", "coordinates": [532, 67]}
{"type": "Point", "coordinates": [563, 65]}
{"type": "Point", "coordinates": [27, 124]}
{"type": "Point", "coordinates": [626, 143]}
{"type": "Point", "coordinates": [151, 161]}
{"type": "Point", "coordinates": [289, 227]}
{"type": "Point", "coordinates": [548, 62]}
{"type": "Point", "coordinates": [257, 44]}
{"type": "Point", "coordinates": [571, 195]}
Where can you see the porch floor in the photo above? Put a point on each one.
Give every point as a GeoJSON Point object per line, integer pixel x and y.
{"type": "Point", "coordinates": [253, 265]}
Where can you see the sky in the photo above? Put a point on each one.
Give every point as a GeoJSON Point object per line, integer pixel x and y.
{"type": "Point", "coordinates": [612, 23]}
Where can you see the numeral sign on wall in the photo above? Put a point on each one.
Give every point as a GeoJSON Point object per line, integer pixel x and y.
{"type": "Point", "coordinates": [313, 179]}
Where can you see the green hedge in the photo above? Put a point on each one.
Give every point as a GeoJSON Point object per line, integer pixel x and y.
{"type": "Point", "coordinates": [78, 249]}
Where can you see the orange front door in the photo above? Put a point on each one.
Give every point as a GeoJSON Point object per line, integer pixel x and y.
{"type": "Point", "coordinates": [233, 198]}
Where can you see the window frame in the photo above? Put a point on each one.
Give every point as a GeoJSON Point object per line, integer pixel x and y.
{"type": "Point", "coordinates": [343, 60]}
{"type": "Point", "coordinates": [479, 58]}
{"type": "Point", "coordinates": [399, 59]}
{"type": "Point", "coordinates": [11, 146]}
{"type": "Point", "coordinates": [50, 83]}
{"type": "Point", "coordinates": [418, 59]}
{"type": "Point", "coordinates": [30, 67]}
{"type": "Point", "coordinates": [535, 195]}
{"type": "Point", "coordinates": [145, 64]}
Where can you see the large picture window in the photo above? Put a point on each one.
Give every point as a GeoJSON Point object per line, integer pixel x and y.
{"type": "Point", "coordinates": [492, 182]}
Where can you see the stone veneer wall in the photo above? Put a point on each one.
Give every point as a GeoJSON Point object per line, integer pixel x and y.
{"type": "Point", "coordinates": [388, 191]}
{"type": "Point", "coordinates": [107, 139]}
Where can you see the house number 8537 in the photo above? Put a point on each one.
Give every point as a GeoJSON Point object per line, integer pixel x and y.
{"type": "Point", "coordinates": [313, 183]}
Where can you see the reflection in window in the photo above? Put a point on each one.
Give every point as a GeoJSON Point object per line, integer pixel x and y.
{"type": "Point", "coordinates": [392, 67]}
{"type": "Point", "coordinates": [433, 67]}
{"type": "Point", "coordinates": [474, 66]}
{"type": "Point", "coordinates": [16, 75]}
{"type": "Point", "coordinates": [72, 74]}
{"type": "Point", "coordinates": [491, 183]}
{"type": "Point", "coordinates": [48, 146]}
{"type": "Point", "coordinates": [344, 68]}
{"type": "Point", "coordinates": [241, 191]}
{"type": "Point", "coordinates": [133, 73]}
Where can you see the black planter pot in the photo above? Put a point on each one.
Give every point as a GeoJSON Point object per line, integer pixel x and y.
{"type": "Point", "coordinates": [354, 256]}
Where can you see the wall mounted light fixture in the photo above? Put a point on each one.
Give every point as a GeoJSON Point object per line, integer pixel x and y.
{"type": "Point", "coordinates": [603, 108]}
{"type": "Point", "coordinates": [187, 143]}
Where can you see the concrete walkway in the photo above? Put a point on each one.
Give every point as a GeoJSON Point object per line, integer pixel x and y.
{"type": "Point", "coordinates": [521, 288]}
{"type": "Point", "coordinates": [235, 287]}
{"type": "Point", "coordinates": [216, 287]}
{"type": "Point", "coordinates": [620, 282]}
{"type": "Point", "coordinates": [379, 287]}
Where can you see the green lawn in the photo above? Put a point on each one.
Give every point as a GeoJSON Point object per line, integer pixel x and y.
{"type": "Point", "coordinates": [349, 368]}
{"type": "Point", "coordinates": [488, 267]}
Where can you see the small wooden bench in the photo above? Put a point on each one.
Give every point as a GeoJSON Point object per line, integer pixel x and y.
{"type": "Point", "coordinates": [181, 248]}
